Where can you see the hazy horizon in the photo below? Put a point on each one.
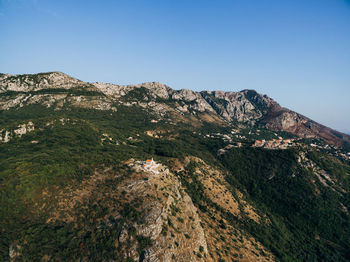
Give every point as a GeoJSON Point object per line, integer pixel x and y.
{"type": "Point", "coordinates": [296, 52]}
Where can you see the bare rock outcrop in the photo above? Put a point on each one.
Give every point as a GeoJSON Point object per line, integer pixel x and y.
{"type": "Point", "coordinates": [36, 82]}
{"type": "Point", "coordinates": [22, 129]}
{"type": "Point", "coordinates": [170, 220]}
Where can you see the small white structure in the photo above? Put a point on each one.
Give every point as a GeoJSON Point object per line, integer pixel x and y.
{"type": "Point", "coordinates": [148, 163]}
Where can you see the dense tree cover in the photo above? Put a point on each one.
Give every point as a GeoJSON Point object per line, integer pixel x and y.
{"type": "Point", "coordinates": [67, 152]}
{"type": "Point", "coordinates": [305, 226]}
{"type": "Point", "coordinates": [346, 146]}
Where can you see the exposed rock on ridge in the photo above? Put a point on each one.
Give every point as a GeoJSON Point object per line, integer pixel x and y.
{"type": "Point", "coordinates": [246, 107]}
{"type": "Point", "coordinates": [36, 82]}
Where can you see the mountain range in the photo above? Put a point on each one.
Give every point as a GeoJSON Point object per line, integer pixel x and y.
{"type": "Point", "coordinates": [105, 172]}
{"type": "Point", "coordinates": [246, 107]}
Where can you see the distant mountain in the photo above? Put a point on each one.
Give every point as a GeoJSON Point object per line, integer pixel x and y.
{"type": "Point", "coordinates": [103, 172]}
{"type": "Point", "coordinates": [246, 107]}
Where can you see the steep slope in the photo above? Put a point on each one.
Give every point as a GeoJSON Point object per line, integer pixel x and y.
{"type": "Point", "coordinates": [134, 209]}
{"type": "Point", "coordinates": [215, 200]}
{"type": "Point", "coordinates": [253, 108]}
{"type": "Point", "coordinates": [303, 201]}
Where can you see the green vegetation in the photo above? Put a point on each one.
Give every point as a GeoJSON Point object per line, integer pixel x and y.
{"type": "Point", "coordinates": [67, 153]}
{"type": "Point", "coordinates": [304, 225]}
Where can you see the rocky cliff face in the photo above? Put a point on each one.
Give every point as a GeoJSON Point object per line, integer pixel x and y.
{"type": "Point", "coordinates": [297, 124]}
{"type": "Point", "coordinates": [246, 107]}
{"type": "Point", "coordinates": [233, 106]}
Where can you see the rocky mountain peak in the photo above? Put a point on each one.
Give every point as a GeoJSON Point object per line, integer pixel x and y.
{"type": "Point", "coordinates": [35, 82]}
{"type": "Point", "coordinates": [157, 89]}
{"type": "Point", "coordinates": [3, 76]}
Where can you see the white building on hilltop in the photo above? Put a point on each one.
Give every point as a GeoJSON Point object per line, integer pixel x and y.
{"type": "Point", "coordinates": [149, 164]}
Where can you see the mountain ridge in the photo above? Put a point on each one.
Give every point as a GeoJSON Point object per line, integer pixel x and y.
{"type": "Point", "coordinates": [246, 106]}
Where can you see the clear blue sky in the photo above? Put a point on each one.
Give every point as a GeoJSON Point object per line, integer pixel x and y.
{"type": "Point", "coordinates": [296, 51]}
